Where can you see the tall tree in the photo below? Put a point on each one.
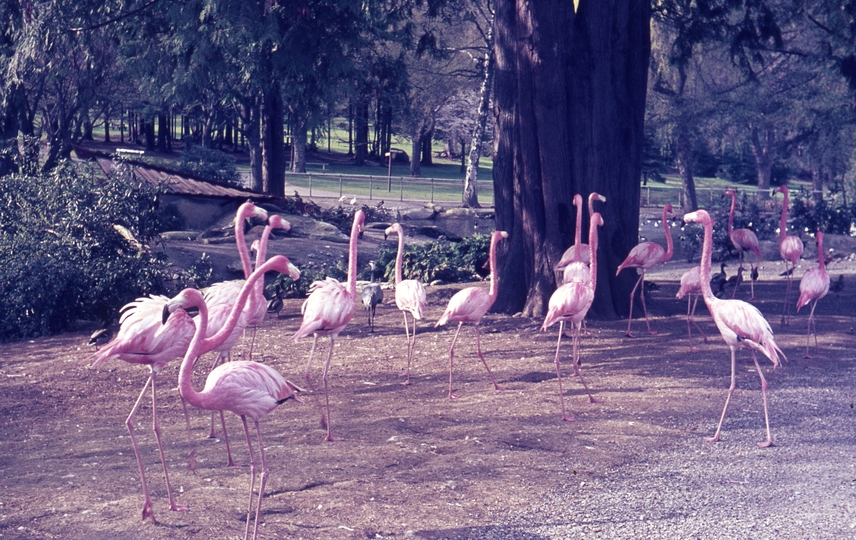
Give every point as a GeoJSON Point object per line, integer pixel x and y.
{"type": "Point", "coordinates": [570, 103]}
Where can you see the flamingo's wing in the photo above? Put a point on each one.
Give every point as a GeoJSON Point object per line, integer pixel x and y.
{"type": "Point", "coordinates": [571, 301]}
{"type": "Point", "coordinates": [746, 240]}
{"type": "Point", "coordinates": [246, 388]}
{"type": "Point", "coordinates": [577, 271]}
{"type": "Point", "coordinates": [690, 282]}
{"type": "Point", "coordinates": [791, 249]}
{"type": "Point", "coordinates": [644, 255]}
{"type": "Point", "coordinates": [410, 296]}
{"type": "Point", "coordinates": [224, 292]}
{"type": "Point", "coordinates": [741, 323]}
{"type": "Point", "coordinates": [570, 256]}
{"type": "Point", "coordinates": [467, 305]}
{"type": "Point", "coordinates": [328, 309]}
{"type": "Point", "coordinates": [814, 284]}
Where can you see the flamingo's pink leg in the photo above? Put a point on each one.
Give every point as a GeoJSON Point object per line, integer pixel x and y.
{"type": "Point", "coordinates": [252, 473]}
{"type": "Point", "coordinates": [478, 349]}
{"type": "Point", "coordinates": [148, 512]}
{"type": "Point", "coordinates": [451, 359]}
{"type": "Point", "coordinates": [632, 293]}
{"type": "Point", "coordinates": [715, 437]}
{"type": "Point", "coordinates": [577, 371]}
{"type": "Point", "coordinates": [327, 391]}
{"type": "Point", "coordinates": [769, 441]}
{"type": "Point", "coordinates": [565, 417]}
{"type": "Point", "coordinates": [262, 481]}
{"type": "Point", "coordinates": [156, 428]}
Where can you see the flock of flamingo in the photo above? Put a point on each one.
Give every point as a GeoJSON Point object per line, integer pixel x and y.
{"type": "Point", "coordinates": [154, 330]}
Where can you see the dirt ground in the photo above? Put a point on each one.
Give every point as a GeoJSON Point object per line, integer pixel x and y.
{"type": "Point", "coordinates": [410, 462]}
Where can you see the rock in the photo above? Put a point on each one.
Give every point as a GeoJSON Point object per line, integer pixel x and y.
{"type": "Point", "coordinates": [432, 231]}
{"type": "Point", "coordinates": [306, 227]}
{"type": "Point", "coordinates": [436, 282]}
{"type": "Point", "coordinates": [418, 214]}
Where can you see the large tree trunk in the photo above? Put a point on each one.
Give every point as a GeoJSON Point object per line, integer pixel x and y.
{"type": "Point", "coordinates": [684, 154]}
{"type": "Point", "coordinates": [298, 141]}
{"type": "Point", "coordinates": [570, 104]}
{"type": "Point", "coordinates": [762, 148]}
{"type": "Point", "coordinates": [361, 131]}
{"type": "Point", "coordinates": [163, 133]}
{"type": "Point", "coordinates": [273, 145]}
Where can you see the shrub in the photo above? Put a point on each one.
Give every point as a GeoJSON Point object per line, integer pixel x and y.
{"type": "Point", "coordinates": [72, 246]}
{"type": "Point", "coordinates": [463, 261]}
{"type": "Point", "coordinates": [209, 163]}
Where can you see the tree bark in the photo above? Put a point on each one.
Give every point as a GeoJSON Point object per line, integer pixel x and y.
{"type": "Point", "coordinates": [361, 131]}
{"type": "Point", "coordinates": [250, 110]}
{"type": "Point", "coordinates": [569, 103]}
{"type": "Point", "coordinates": [273, 145]}
{"type": "Point", "coordinates": [471, 185]}
{"type": "Point", "coordinates": [298, 141]}
{"type": "Point", "coordinates": [762, 149]}
{"type": "Point", "coordinates": [684, 154]}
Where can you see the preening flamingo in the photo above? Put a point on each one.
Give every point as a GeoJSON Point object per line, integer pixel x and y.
{"type": "Point", "coordinates": [329, 309]}
{"type": "Point", "coordinates": [571, 302]}
{"type": "Point", "coordinates": [409, 295]}
{"type": "Point", "coordinates": [644, 256]}
{"type": "Point", "coordinates": [740, 323]}
{"type": "Point", "coordinates": [143, 339]}
{"type": "Point", "coordinates": [691, 285]}
{"type": "Point", "coordinates": [790, 248]}
{"type": "Point", "coordinates": [813, 286]}
{"type": "Point", "coordinates": [470, 305]}
{"type": "Point", "coordinates": [743, 240]}
{"type": "Point", "coordinates": [583, 254]}
{"type": "Point", "coordinates": [248, 389]}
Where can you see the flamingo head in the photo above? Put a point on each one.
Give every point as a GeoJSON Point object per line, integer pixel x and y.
{"type": "Point", "coordinates": [276, 222]}
{"type": "Point", "coordinates": [595, 195]}
{"type": "Point", "coordinates": [359, 221]}
{"type": "Point", "coordinates": [578, 200]}
{"type": "Point", "coordinates": [394, 228]}
{"type": "Point", "coordinates": [729, 193]}
{"type": "Point", "coordinates": [254, 247]}
{"type": "Point", "coordinates": [596, 220]}
{"type": "Point", "coordinates": [186, 299]}
{"type": "Point", "coordinates": [699, 216]}
{"type": "Point", "coordinates": [668, 209]}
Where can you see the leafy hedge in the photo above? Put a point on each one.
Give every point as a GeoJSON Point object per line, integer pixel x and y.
{"type": "Point", "coordinates": [461, 261]}
{"type": "Point", "coordinates": [73, 246]}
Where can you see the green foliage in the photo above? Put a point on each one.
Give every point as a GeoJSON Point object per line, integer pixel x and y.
{"type": "Point", "coordinates": [73, 246]}
{"type": "Point", "coordinates": [198, 274]}
{"type": "Point", "coordinates": [309, 274]}
{"type": "Point", "coordinates": [739, 167]}
{"type": "Point", "coordinates": [209, 163]}
{"type": "Point", "coordinates": [809, 216]}
{"type": "Point", "coordinates": [462, 261]}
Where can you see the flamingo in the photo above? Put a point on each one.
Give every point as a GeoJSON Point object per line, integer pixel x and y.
{"type": "Point", "coordinates": [372, 295]}
{"type": "Point", "coordinates": [790, 248]}
{"type": "Point", "coordinates": [258, 303]}
{"type": "Point", "coordinates": [691, 285]}
{"type": "Point", "coordinates": [246, 388]}
{"type": "Point", "coordinates": [644, 256]}
{"type": "Point", "coordinates": [743, 240]}
{"type": "Point", "coordinates": [582, 255]}
{"type": "Point", "coordinates": [329, 309]}
{"type": "Point", "coordinates": [813, 286]}
{"type": "Point", "coordinates": [470, 305]}
{"type": "Point", "coordinates": [143, 339]}
{"type": "Point", "coordinates": [220, 298]}
{"type": "Point", "coordinates": [571, 302]}
{"type": "Point", "coordinates": [409, 295]}
{"type": "Point", "coordinates": [740, 323]}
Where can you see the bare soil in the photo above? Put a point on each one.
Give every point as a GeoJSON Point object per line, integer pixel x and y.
{"type": "Point", "coordinates": [410, 462]}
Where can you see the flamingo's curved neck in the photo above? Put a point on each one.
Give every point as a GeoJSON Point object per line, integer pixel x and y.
{"type": "Point", "coordinates": [670, 247]}
{"type": "Point", "coordinates": [243, 212]}
{"type": "Point", "coordinates": [200, 345]}
{"type": "Point", "coordinates": [704, 270]}
{"type": "Point", "coordinates": [593, 252]}
{"type": "Point", "coordinates": [351, 288]}
{"type": "Point", "coordinates": [783, 221]}
{"type": "Point", "coordinates": [399, 258]}
{"type": "Point", "coordinates": [821, 263]}
{"type": "Point", "coordinates": [578, 234]}
{"type": "Point", "coordinates": [731, 214]}
{"type": "Point", "coordinates": [494, 239]}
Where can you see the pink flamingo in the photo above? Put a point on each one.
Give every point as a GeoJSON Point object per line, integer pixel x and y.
{"type": "Point", "coordinates": [790, 248]}
{"type": "Point", "coordinates": [243, 387]}
{"type": "Point", "coordinates": [583, 255]}
{"type": "Point", "coordinates": [329, 309]}
{"type": "Point", "coordinates": [740, 323]}
{"type": "Point", "coordinates": [470, 305]}
{"type": "Point", "coordinates": [409, 295]}
{"type": "Point", "coordinates": [813, 286]}
{"type": "Point", "coordinates": [258, 302]}
{"type": "Point", "coordinates": [644, 256]}
{"type": "Point", "coordinates": [143, 339]}
{"type": "Point", "coordinates": [571, 302]}
{"type": "Point", "coordinates": [691, 285]}
{"type": "Point", "coordinates": [743, 240]}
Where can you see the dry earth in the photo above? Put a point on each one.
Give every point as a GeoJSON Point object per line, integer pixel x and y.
{"type": "Point", "coordinates": [492, 464]}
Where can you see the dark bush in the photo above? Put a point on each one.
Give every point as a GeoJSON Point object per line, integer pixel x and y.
{"type": "Point", "coordinates": [209, 163]}
{"type": "Point", "coordinates": [73, 246]}
{"type": "Point", "coordinates": [461, 261]}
